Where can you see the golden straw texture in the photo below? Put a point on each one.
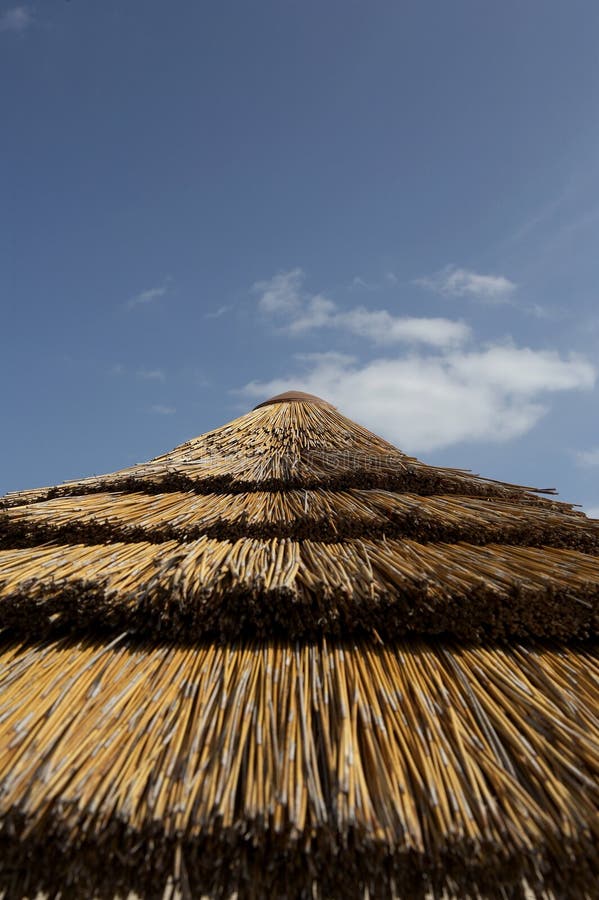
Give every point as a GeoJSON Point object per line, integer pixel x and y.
{"type": "Point", "coordinates": [316, 514]}
{"type": "Point", "coordinates": [211, 588]}
{"type": "Point", "coordinates": [412, 767]}
{"type": "Point", "coordinates": [283, 446]}
{"type": "Point", "coordinates": [286, 660]}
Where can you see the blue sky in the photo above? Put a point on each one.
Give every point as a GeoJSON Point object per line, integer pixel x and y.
{"type": "Point", "coordinates": [392, 204]}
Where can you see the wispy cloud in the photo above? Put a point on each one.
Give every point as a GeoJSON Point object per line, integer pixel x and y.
{"type": "Point", "coordinates": [425, 401]}
{"type": "Point", "coordinates": [543, 312]}
{"type": "Point", "coordinates": [17, 19]}
{"type": "Point", "coordinates": [151, 374]}
{"type": "Point", "coordinates": [217, 313]}
{"type": "Point", "coordinates": [456, 282]}
{"type": "Point", "coordinates": [160, 410]}
{"type": "Point", "coordinates": [284, 299]}
{"type": "Point", "coordinates": [280, 294]}
{"type": "Point", "coordinates": [150, 295]}
{"type": "Point", "coordinates": [382, 327]}
{"type": "Point", "coordinates": [542, 215]}
{"type": "Point", "coordinates": [362, 284]}
{"type": "Point", "coordinates": [588, 457]}
{"type": "Point", "coordinates": [564, 218]}
{"type": "Point", "coordinates": [592, 512]}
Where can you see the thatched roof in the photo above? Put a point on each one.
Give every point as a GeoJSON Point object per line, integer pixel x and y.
{"type": "Point", "coordinates": [285, 659]}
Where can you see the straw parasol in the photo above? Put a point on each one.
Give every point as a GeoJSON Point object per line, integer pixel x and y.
{"type": "Point", "coordinates": [287, 660]}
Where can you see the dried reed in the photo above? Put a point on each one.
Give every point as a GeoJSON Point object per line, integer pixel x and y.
{"type": "Point", "coordinates": [161, 759]}
{"type": "Point", "coordinates": [435, 765]}
{"type": "Point", "coordinates": [227, 589]}
{"type": "Point", "coordinates": [284, 446]}
{"type": "Point", "coordinates": [299, 514]}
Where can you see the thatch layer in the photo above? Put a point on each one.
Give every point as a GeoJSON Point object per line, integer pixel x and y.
{"type": "Point", "coordinates": [227, 589]}
{"type": "Point", "coordinates": [320, 515]}
{"type": "Point", "coordinates": [405, 768]}
{"type": "Point", "coordinates": [312, 770]}
{"type": "Point", "coordinates": [279, 447]}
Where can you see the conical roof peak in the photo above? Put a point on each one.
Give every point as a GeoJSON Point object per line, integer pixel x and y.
{"type": "Point", "coordinates": [295, 396]}
{"type": "Point", "coordinates": [284, 445]}
{"type": "Point", "coordinates": [294, 520]}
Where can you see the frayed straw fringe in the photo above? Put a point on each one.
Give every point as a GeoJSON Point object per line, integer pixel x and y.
{"type": "Point", "coordinates": [284, 446]}
{"type": "Point", "coordinates": [281, 587]}
{"type": "Point", "coordinates": [414, 767]}
{"type": "Point", "coordinates": [319, 515]}
{"type": "Point", "coordinates": [318, 770]}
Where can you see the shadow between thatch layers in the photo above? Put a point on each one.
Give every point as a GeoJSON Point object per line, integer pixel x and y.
{"type": "Point", "coordinates": [227, 589]}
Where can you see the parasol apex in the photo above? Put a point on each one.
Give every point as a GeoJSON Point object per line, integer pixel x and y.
{"type": "Point", "coordinates": [302, 396]}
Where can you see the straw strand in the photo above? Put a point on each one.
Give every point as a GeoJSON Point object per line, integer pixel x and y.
{"type": "Point", "coordinates": [396, 750]}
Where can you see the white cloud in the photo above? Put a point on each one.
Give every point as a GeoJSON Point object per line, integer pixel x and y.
{"type": "Point", "coordinates": [383, 328]}
{"type": "Point", "coordinates": [17, 19]}
{"type": "Point", "coordinates": [161, 410]}
{"type": "Point", "coordinates": [588, 457]}
{"type": "Point", "coordinates": [318, 312]}
{"type": "Point", "coordinates": [455, 282]}
{"type": "Point", "coordinates": [423, 402]}
{"type": "Point", "coordinates": [592, 512]}
{"type": "Point", "coordinates": [144, 298]}
{"type": "Point", "coordinates": [443, 389]}
{"type": "Point", "coordinates": [280, 294]}
{"type": "Point", "coordinates": [521, 371]}
{"type": "Point", "coordinates": [151, 374]}
{"type": "Point", "coordinates": [283, 298]}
